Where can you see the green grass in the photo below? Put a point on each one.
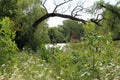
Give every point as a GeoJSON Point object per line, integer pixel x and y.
{"type": "Point", "coordinates": [97, 60]}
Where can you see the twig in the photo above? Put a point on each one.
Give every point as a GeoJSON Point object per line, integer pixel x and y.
{"type": "Point", "coordinates": [43, 4]}
{"type": "Point", "coordinates": [60, 5]}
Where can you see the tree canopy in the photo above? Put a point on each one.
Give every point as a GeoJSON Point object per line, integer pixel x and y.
{"type": "Point", "coordinates": [27, 15]}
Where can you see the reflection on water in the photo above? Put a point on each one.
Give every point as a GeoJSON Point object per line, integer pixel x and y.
{"type": "Point", "coordinates": [61, 46]}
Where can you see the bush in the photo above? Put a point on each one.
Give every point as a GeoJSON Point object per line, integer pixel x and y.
{"type": "Point", "coordinates": [8, 47]}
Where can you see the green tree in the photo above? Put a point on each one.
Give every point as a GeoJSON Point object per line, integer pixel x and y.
{"type": "Point", "coordinates": [64, 33]}
{"type": "Point", "coordinates": [72, 29]}
{"type": "Point", "coordinates": [25, 36]}
{"type": "Point", "coordinates": [111, 17]}
{"type": "Point", "coordinates": [112, 20]}
{"type": "Point", "coordinates": [56, 35]}
{"type": "Point", "coordinates": [8, 8]}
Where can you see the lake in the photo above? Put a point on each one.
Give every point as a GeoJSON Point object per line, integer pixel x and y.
{"type": "Point", "coordinates": [61, 46]}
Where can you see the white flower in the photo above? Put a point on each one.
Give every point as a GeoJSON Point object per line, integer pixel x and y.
{"type": "Point", "coordinates": [2, 65]}
{"type": "Point", "coordinates": [58, 77]}
{"type": "Point", "coordinates": [40, 75]}
{"type": "Point", "coordinates": [85, 73]}
{"type": "Point", "coordinates": [2, 77]}
{"type": "Point", "coordinates": [117, 67]}
{"type": "Point", "coordinates": [101, 68]}
{"type": "Point", "coordinates": [50, 71]}
{"type": "Point", "coordinates": [98, 36]}
{"type": "Point", "coordinates": [45, 68]}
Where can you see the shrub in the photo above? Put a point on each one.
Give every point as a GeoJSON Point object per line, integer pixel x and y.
{"type": "Point", "coordinates": [8, 47]}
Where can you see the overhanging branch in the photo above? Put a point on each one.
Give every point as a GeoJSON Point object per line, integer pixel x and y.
{"type": "Point", "coordinates": [35, 24]}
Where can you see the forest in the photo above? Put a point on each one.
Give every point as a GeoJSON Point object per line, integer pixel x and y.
{"type": "Point", "coordinates": [92, 50]}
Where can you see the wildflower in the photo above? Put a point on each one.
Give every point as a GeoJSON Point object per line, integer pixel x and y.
{"type": "Point", "coordinates": [40, 75]}
{"type": "Point", "coordinates": [99, 36]}
{"type": "Point", "coordinates": [2, 77]}
{"type": "Point", "coordinates": [2, 65]}
{"type": "Point", "coordinates": [58, 77]}
{"type": "Point", "coordinates": [50, 71]}
{"type": "Point", "coordinates": [38, 65]}
{"type": "Point", "coordinates": [96, 79]}
{"type": "Point", "coordinates": [101, 68]}
{"type": "Point", "coordinates": [117, 67]}
{"type": "Point", "coordinates": [41, 65]}
{"type": "Point", "coordinates": [45, 68]}
{"type": "Point", "coordinates": [85, 73]}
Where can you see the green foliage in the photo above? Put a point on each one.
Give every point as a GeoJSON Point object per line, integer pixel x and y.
{"type": "Point", "coordinates": [112, 22]}
{"type": "Point", "coordinates": [64, 33]}
{"type": "Point", "coordinates": [56, 35]}
{"type": "Point", "coordinates": [41, 36]}
{"type": "Point", "coordinates": [93, 58]}
{"type": "Point", "coordinates": [30, 11]}
{"type": "Point", "coordinates": [72, 29]}
{"type": "Point", "coordinates": [8, 47]}
{"type": "Point", "coordinates": [111, 15]}
{"type": "Point", "coordinates": [8, 8]}
{"type": "Point", "coordinates": [38, 38]}
{"type": "Point", "coordinates": [96, 52]}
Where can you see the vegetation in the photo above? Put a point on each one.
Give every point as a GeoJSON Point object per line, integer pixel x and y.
{"type": "Point", "coordinates": [8, 48]}
{"type": "Point", "coordinates": [92, 50]}
{"type": "Point", "coordinates": [67, 32]}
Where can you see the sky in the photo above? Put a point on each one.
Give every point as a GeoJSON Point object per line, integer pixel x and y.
{"type": "Point", "coordinates": [54, 21]}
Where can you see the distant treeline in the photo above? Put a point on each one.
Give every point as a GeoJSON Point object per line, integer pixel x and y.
{"type": "Point", "coordinates": [69, 31]}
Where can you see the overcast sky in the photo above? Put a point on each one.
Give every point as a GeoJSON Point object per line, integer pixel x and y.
{"type": "Point", "coordinates": [54, 21]}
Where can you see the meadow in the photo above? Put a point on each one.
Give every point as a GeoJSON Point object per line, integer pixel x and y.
{"type": "Point", "coordinates": [96, 58]}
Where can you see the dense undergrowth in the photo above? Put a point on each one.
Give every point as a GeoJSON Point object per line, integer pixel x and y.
{"type": "Point", "coordinates": [98, 60]}
{"type": "Point", "coordinates": [96, 57]}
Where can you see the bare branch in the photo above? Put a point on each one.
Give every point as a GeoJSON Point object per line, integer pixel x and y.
{"type": "Point", "coordinates": [76, 10]}
{"type": "Point", "coordinates": [60, 5]}
{"type": "Point", "coordinates": [63, 11]}
{"type": "Point", "coordinates": [43, 4]}
{"type": "Point", "coordinates": [73, 10]}
{"type": "Point", "coordinates": [35, 24]}
{"type": "Point", "coordinates": [99, 15]}
{"type": "Point", "coordinates": [97, 20]}
{"type": "Point", "coordinates": [76, 13]}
